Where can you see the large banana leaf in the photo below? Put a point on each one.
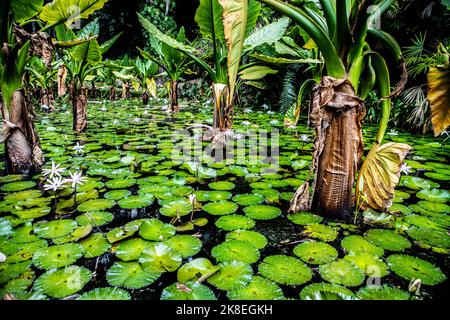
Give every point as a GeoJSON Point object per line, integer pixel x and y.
{"type": "Point", "coordinates": [380, 174]}
{"type": "Point", "coordinates": [68, 11]}
{"type": "Point", "coordinates": [89, 51]}
{"type": "Point", "coordinates": [277, 60]}
{"type": "Point", "coordinates": [268, 34]}
{"type": "Point", "coordinates": [209, 20]}
{"type": "Point", "coordinates": [439, 97]}
{"type": "Point", "coordinates": [25, 9]}
{"type": "Point", "coordinates": [256, 72]}
{"type": "Point", "coordinates": [235, 14]}
{"type": "Point", "coordinates": [254, 8]}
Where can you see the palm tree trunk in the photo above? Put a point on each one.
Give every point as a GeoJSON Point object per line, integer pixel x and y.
{"type": "Point", "coordinates": [223, 110]}
{"type": "Point", "coordinates": [48, 99]}
{"type": "Point", "coordinates": [126, 91]}
{"type": "Point", "coordinates": [174, 107]}
{"type": "Point", "coordinates": [22, 149]}
{"type": "Point", "coordinates": [336, 113]}
{"type": "Point", "coordinates": [112, 93]}
{"type": "Point", "coordinates": [93, 90]}
{"type": "Point", "coordinates": [79, 104]}
{"type": "Point", "coordinates": [62, 75]}
{"type": "Point", "coordinates": [145, 97]}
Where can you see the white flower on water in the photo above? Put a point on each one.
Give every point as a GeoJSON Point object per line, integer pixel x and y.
{"type": "Point", "coordinates": [145, 113]}
{"type": "Point", "coordinates": [2, 257]}
{"type": "Point", "coordinates": [75, 179]}
{"type": "Point", "coordinates": [393, 132]}
{"type": "Point", "coordinates": [78, 148]}
{"type": "Point", "coordinates": [103, 109]}
{"type": "Point", "coordinates": [245, 123]}
{"type": "Point", "coordinates": [270, 112]}
{"type": "Point", "coordinates": [274, 122]}
{"type": "Point", "coordinates": [265, 106]}
{"type": "Point", "coordinates": [54, 184]}
{"type": "Point", "coordinates": [55, 170]}
{"type": "Point", "coordinates": [137, 120]}
{"type": "Point", "coordinates": [304, 138]}
{"type": "Point", "coordinates": [164, 108]}
{"type": "Point", "coordinates": [291, 126]}
{"type": "Point", "coordinates": [115, 122]}
{"type": "Point", "coordinates": [45, 107]}
{"type": "Point", "coordinates": [248, 110]}
{"type": "Point", "coordinates": [192, 199]}
{"type": "Point", "coordinates": [405, 169]}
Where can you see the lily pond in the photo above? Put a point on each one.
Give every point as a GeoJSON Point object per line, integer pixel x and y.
{"type": "Point", "coordinates": [146, 224]}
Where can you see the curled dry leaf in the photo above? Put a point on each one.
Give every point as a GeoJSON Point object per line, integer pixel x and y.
{"type": "Point", "coordinates": [439, 97]}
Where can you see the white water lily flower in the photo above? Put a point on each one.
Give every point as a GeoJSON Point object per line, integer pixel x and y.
{"type": "Point", "coordinates": [79, 149]}
{"type": "Point", "coordinates": [274, 122]}
{"type": "Point", "coordinates": [192, 199]}
{"type": "Point", "coordinates": [270, 112]}
{"type": "Point", "coordinates": [145, 113]}
{"type": "Point", "coordinates": [304, 138]}
{"type": "Point", "coordinates": [115, 122]}
{"type": "Point", "coordinates": [291, 126]}
{"type": "Point", "coordinates": [2, 257]}
{"type": "Point", "coordinates": [245, 123]}
{"type": "Point", "coordinates": [405, 169]}
{"type": "Point", "coordinates": [393, 132]}
{"type": "Point", "coordinates": [76, 179]}
{"type": "Point", "coordinates": [265, 106]}
{"type": "Point", "coordinates": [248, 110]}
{"type": "Point", "coordinates": [55, 170]}
{"type": "Point", "coordinates": [103, 109]}
{"type": "Point", "coordinates": [54, 184]}
{"type": "Point", "coordinates": [136, 120]}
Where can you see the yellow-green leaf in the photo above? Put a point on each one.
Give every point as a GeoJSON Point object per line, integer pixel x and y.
{"type": "Point", "coordinates": [256, 72]}
{"type": "Point", "coordinates": [439, 97]}
{"type": "Point", "coordinates": [25, 9]}
{"type": "Point", "coordinates": [68, 11]}
{"type": "Point", "coordinates": [151, 86]}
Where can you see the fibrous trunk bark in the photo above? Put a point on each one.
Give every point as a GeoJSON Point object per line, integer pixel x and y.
{"type": "Point", "coordinates": [47, 99]}
{"type": "Point", "coordinates": [336, 113]}
{"type": "Point", "coordinates": [62, 76]}
{"type": "Point", "coordinates": [22, 149]}
{"type": "Point", "coordinates": [223, 110]}
{"type": "Point", "coordinates": [174, 96]}
{"type": "Point", "coordinates": [126, 91]}
{"type": "Point", "coordinates": [145, 97]}
{"type": "Point", "coordinates": [79, 104]}
{"type": "Point", "coordinates": [112, 93]}
{"type": "Point", "coordinates": [93, 90]}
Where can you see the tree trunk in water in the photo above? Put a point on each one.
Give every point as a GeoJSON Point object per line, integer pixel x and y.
{"type": "Point", "coordinates": [62, 75]}
{"type": "Point", "coordinates": [112, 93]}
{"type": "Point", "coordinates": [336, 113]}
{"type": "Point", "coordinates": [22, 149]}
{"type": "Point", "coordinates": [174, 107]}
{"type": "Point", "coordinates": [223, 110]}
{"type": "Point", "coordinates": [79, 104]}
{"type": "Point", "coordinates": [126, 91]}
{"type": "Point", "coordinates": [93, 90]}
{"type": "Point", "coordinates": [145, 97]}
{"type": "Point", "coordinates": [48, 99]}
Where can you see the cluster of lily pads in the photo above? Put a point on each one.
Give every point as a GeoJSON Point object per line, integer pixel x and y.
{"type": "Point", "coordinates": [141, 212]}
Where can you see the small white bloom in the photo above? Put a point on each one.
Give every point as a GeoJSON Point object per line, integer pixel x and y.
{"type": "Point", "coordinates": [54, 184]}
{"type": "Point", "coordinates": [55, 170]}
{"type": "Point", "coordinates": [304, 138]}
{"type": "Point", "coordinates": [115, 122]}
{"type": "Point", "coordinates": [103, 109]}
{"type": "Point", "coordinates": [405, 169]}
{"type": "Point", "coordinates": [2, 257]}
{"type": "Point", "coordinates": [291, 126]}
{"type": "Point", "coordinates": [78, 148]}
{"type": "Point", "coordinates": [136, 120]}
{"type": "Point", "coordinates": [274, 122]}
{"type": "Point", "coordinates": [76, 178]}
{"type": "Point", "coordinates": [393, 132]}
{"type": "Point", "coordinates": [265, 106]}
{"type": "Point", "coordinates": [45, 107]}
{"type": "Point", "coordinates": [248, 110]}
{"type": "Point", "coordinates": [245, 123]}
{"type": "Point", "coordinates": [270, 112]}
{"type": "Point", "coordinates": [145, 113]}
{"type": "Point", "coordinates": [192, 199]}
{"type": "Point", "coordinates": [164, 108]}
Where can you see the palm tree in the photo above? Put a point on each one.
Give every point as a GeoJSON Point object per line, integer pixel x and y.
{"type": "Point", "coordinates": [341, 32]}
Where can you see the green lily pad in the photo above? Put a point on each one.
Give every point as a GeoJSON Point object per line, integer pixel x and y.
{"type": "Point", "coordinates": [55, 229]}
{"type": "Point", "coordinates": [123, 232]}
{"type": "Point", "coordinates": [131, 249]}
{"type": "Point", "coordinates": [222, 185]}
{"type": "Point", "coordinates": [57, 256]}
{"type": "Point", "coordinates": [107, 293]}
{"type": "Point", "coordinates": [120, 183]}
{"type": "Point", "coordinates": [195, 269]}
{"type": "Point", "coordinates": [220, 208]}
{"type": "Point", "coordinates": [248, 199]}
{"type": "Point", "coordinates": [435, 195]}
{"type": "Point", "coordinates": [285, 270]}
{"type": "Point", "coordinates": [387, 239]}
{"type": "Point", "coordinates": [342, 272]}
{"type": "Point", "coordinates": [434, 206]}
{"type": "Point", "coordinates": [234, 222]}
{"type": "Point", "coordinates": [32, 213]}
{"type": "Point", "coordinates": [416, 183]}
{"type": "Point", "coordinates": [261, 185]}
{"type": "Point", "coordinates": [315, 252]}
{"type": "Point", "coordinates": [258, 289]}
{"type": "Point", "coordinates": [9, 271]}
{"type": "Point", "coordinates": [359, 245]}
{"type": "Point", "coordinates": [156, 230]}
{"type": "Point", "coordinates": [95, 245]}
{"type": "Point", "coordinates": [117, 194]}
{"type": "Point", "coordinates": [136, 202]}
{"type": "Point", "coordinates": [95, 219]}
{"type": "Point", "coordinates": [60, 283]}
{"type": "Point", "coordinates": [19, 252]}
{"type": "Point", "coordinates": [304, 218]}
{"type": "Point", "coordinates": [235, 250]}
{"type": "Point", "coordinates": [326, 291]}
{"type": "Point", "coordinates": [371, 265]}
{"type": "Point", "coordinates": [130, 275]}
{"type": "Point", "coordinates": [187, 291]}
{"type": "Point", "coordinates": [430, 236]}
{"type": "Point", "coordinates": [181, 207]}
{"type": "Point", "coordinates": [160, 257]}
{"type": "Point", "coordinates": [399, 196]}
{"type": "Point", "coordinates": [383, 292]}
{"type": "Point", "coordinates": [186, 245]}
{"type": "Point", "coordinates": [232, 275]}
{"type": "Point", "coordinates": [262, 212]}
{"type": "Point", "coordinates": [397, 208]}
{"type": "Point", "coordinates": [76, 235]}
{"type": "Point", "coordinates": [212, 195]}
{"type": "Point", "coordinates": [410, 268]}
{"type": "Point", "coordinates": [96, 205]}
{"type": "Point", "coordinates": [258, 240]}
{"type": "Point", "coordinates": [321, 232]}
{"type": "Point", "coordinates": [17, 186]}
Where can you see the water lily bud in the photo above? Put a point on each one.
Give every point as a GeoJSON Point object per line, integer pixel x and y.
{"type": "Point", "coordinates": [414, 286]}
{"type": "Point", "coordinates": [2, 257]}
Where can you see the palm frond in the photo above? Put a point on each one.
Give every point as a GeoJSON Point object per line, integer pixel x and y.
{"type": "Point", "coordinates": [288, 94]}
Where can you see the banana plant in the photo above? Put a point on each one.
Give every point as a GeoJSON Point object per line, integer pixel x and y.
{"type": "Point", "coordinates": [342, 32]}
{"type": "Point", "coordinates": [174, 63]}
{"type": "Point", "coordinates": [22, 149]}
{"type": "Point", "coordinates": [41, 78]}
{"type": "Point", "coordinates": [144, 72]}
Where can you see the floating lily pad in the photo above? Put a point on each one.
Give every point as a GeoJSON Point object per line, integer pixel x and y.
{"type": "Point", "coordinates": [95, 245]}
{"type": "Point", "coordinates": [321, 232]}
{"type": "Point", "coordinates": [435, 195]}
{"type": "Point", "coordinates": [261, 185]}
{"type": "Point", "coordinates": [359, 245]}
{"type": "Point", "coordinates": [17, 186]}
{"type": "Point", "coordinates": [434, 206]}
{"type": "Point", "coordinates": [387, 239]}
{"type": "Point", "coordinates": [76, 235]}
{"type": "Point", "coordinates": [430, 236]}
{"type": "Point", "coordinates": [221, 185]}
{"type": "Point", "coordinates": [234, 222]}
{"type": "Point", "coordinates": [235, 250]}
{"type": "Point", "coordinates": [185, 245]}
{"type": "Point", "coordinates": [123, 232]}
{"type": "Point", "coordinates": [258, 289]}
{"type": "Point", "coordinates": [156, 230]}
{"type": "Point", "coordinates": [9, 271]}
{"type": "Point", "coordinates": [17, 252]}
{"type": "Point", "coordinates": [383, 292]}
{"type": "Point", "coordinates": [232, 275]}
{"type": "Point", "coordinates": [95, 219]}
{"type": "Point", "coordinates": [369, 264]}
{"type": "Point", "coordinates": [107, 293]}
{"type": "Point", "coordinates": [220, 208]}
{"type": "Point", "coordinates": [96, 205]}
{"type": "Point", "coordinates": [117, 194]}
{"type": "Point", "coordinates": [131, 249]}
{"type": "Point", "coordinates": [262, 212]}
{"type": "Point", "coordinates": [160, 257]}
{"type": "Point", "coordinates": [315, 252]}
{"type": "Point", "coordinates": [32, 213]}
{"type": "Point", "coordinates": [397, 208]}
{"type": "Point", "coordinates": [130, 275]}
{"type": "Point", "coordinates": [410, 268]}
{"type": "Point", "coordinates": [326, 291]}
{"type": "Point", "coordinates": [120, 183]}
{"type": "Point", "coordinates": [136, 202]}
{"type": "Point", "coordinates": [416, 183]}
{"type": "Point", "coordinates": [304, 218]}
{"type": "Point", "coordinates": [57, 256]}
{"type": "Point", "coordinates": [399, 196]}
{"type": "Point", "coordinates": [212, 195]}
{"type": "Point", "coordinates": [181, 207]}
{"type": "Point", "coordinates": [55, 229]}
{"type": "Point", "coordinates": [285, 270]}
{"type": "Point", "coordinates": [188, 291]}
{"type": "Point", "coordinates": [248, 199]}
{"type": "Point", "coordinates": [342, 272]}
{"type": "Point", "coordinates": [195, 269]}
{"type": "Point", "coordinates": [60, 283]}
{"type": "Point", "coordinates": [258, 240]}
